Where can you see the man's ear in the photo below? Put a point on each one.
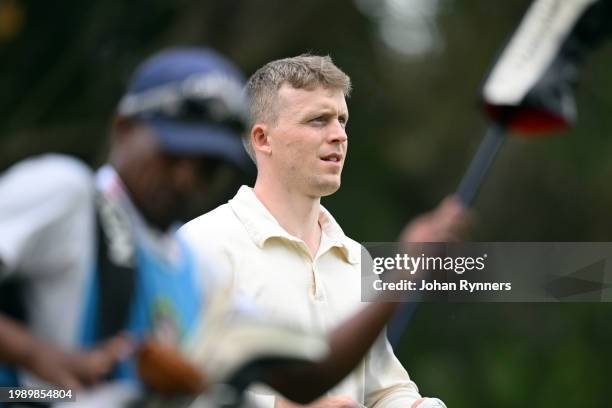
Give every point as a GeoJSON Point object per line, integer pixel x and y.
{"type": "Point", "coordinates": [260, 139]}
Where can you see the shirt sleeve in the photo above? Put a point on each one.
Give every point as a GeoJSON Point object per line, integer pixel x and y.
{"type": "Point", "coordinates": [36, 196]}
{"type": "Point", "coordinates": [387, 382]}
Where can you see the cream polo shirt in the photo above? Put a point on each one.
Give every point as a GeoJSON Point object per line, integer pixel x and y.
{"type": "Point", "coordinates": [276, 270]}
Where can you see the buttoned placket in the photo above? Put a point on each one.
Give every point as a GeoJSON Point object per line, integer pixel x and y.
{"type": "Point", "coordinates": [326, 244]}
{"type": "Point", "coordinates": [316, 292]}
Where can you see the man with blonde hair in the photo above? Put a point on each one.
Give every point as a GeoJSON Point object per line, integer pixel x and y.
{"type": "Point", "coordinates": [283, 248]}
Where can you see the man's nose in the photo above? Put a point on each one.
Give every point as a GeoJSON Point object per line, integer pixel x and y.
{"type": "Point", "coordinates": [338, 133]}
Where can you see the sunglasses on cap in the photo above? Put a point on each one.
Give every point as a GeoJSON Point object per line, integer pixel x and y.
{"type": "Point", "coordinates": [213, 98]}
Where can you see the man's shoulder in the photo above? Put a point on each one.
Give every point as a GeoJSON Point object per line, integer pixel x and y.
{"type": "Point", "coordinates": [213, 219]}
{"type": "Point", "coordinates": [50, 175]}
{"type": "Point", "coordinates": [217, 224]}
{"type": "Point", "coordinates": [217, 235]}
{"type": "Point", "coordinates": [52, 167]}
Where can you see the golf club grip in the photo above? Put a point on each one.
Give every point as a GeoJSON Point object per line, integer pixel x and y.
{"type": "Point", "coordinates": [481, 163]}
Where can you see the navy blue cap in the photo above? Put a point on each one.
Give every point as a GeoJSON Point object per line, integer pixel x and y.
{"type": "Point", "coordinates": [193, 100]}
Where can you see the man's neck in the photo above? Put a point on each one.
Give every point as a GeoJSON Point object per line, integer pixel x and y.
{"type": "Point", "coordinates": [297, 213]}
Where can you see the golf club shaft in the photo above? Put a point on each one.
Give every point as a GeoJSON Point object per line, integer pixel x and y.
{"type": "Point", "coordinates": [481, 163]}
{"type": "Point", "coordinates": [467, 191]}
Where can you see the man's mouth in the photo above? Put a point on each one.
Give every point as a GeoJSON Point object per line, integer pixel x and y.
{"type": "Point", "coordinates": [333, 157]}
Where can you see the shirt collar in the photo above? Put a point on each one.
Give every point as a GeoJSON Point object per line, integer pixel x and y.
{"type": "Point", "coordinates": [261, 225]}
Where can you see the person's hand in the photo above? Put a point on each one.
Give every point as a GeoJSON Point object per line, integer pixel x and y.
{"type": "Point", "coordinates": [428, 403]}
{"type": "Point", "coordinates": [448, 222]}
{"type": "Point", "coordinates": [323, 402]}
{"type": "Point", "coordinates": [77, 369]}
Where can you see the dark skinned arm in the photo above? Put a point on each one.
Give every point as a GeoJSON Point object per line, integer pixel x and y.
{"type": "Point", "coordinates": [18, 346]}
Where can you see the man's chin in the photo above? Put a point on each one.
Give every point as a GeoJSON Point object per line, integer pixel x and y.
{"type": "Point", "coordinates": [327, 188]}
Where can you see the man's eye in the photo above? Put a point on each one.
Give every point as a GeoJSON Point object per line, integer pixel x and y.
{"type": "Point", "coordinates": [319, 119]}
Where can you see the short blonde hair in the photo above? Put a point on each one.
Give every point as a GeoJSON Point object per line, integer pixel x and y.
{"type": "Point", "coordinates": [302, 72]}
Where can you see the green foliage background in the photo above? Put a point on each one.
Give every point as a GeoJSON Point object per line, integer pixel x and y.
{"type": "Point", "coordinates": [414, 126]}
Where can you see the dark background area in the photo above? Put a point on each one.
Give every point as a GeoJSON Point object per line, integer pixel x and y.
{"type": "Point", "coordinates": [414, 125]}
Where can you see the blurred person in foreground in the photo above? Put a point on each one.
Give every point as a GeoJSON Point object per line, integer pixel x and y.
{"type": "Point", "coordinates": [284, 249]}
{"type": "Point", "coordinates": [95, 253]}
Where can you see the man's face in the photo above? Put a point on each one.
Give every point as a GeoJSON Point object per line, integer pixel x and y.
{"type": "Point", "coordinates": [308, 141]}
{"type": "Point", "coordinates": [165, 188]}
